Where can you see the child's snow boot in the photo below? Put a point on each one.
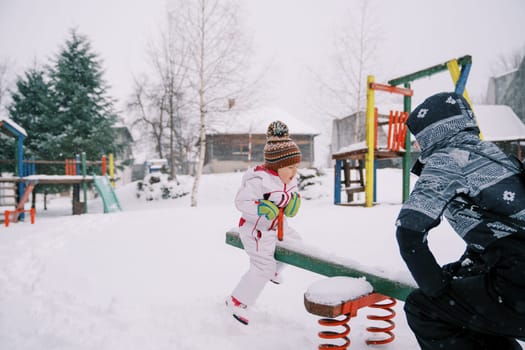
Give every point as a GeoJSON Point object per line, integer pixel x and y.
{"type": "Point", "coordinates": [238, 310]}
{"type": "Point", "coordinates": [277, 278]}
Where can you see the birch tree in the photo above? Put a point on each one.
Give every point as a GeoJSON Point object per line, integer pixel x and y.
{"type": "Point", "coordinates": [217, 62]}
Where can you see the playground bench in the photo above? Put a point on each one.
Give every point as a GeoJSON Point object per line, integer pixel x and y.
{"type": "Point", "coordinates": [302, 256]}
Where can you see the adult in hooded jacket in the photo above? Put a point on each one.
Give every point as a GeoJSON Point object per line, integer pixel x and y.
{"type": "Point", "coordinates": [477, 302]}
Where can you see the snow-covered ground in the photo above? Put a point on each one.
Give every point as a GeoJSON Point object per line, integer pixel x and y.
{"type": "Point", "coordinates": [155, 276]}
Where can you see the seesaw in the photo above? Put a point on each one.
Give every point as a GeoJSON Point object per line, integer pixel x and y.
{"type": "Point", "coordinates": [381, 294]}
{"type": "Point", "coordinates": [308, 258]}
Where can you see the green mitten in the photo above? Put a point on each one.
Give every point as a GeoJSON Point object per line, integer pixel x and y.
{"type": "Point", "coordinates": [267, 208]}
{"type": "Point", "coordinates": [293, 205]}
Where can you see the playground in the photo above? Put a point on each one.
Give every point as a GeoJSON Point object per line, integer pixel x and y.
{"type": "Point", "coordinates": [135, 278]}
{"type": "Point", "coordinates": [356, 245]}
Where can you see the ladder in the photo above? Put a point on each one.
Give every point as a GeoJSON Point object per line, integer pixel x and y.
{"type": "Point", "coordinates": [23, 200]}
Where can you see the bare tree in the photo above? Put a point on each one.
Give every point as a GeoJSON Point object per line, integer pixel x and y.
{"type": "Point", "coordinates": [146, 104]}
{"type": "Point", "coordinates": [169, 60]}
{"type": "Point", "coordinates": [158, 102]}
{"type": "Point", "coordinates": [4, 83]}
{"type": "Point", "coordinates": [508, 62]}
{"type": "Point", "coordinates": [356, 53]}
{"type": "Point", "coordinates": [217, 61]}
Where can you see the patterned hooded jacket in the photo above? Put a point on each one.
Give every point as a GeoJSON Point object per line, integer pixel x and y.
{"type": "Point", "coordinates": [456, 167]}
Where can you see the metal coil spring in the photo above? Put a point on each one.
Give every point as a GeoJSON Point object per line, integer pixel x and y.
{"type": "Point", "coordinates": [333, 322]}
{"type": "Point", "coordinates": [386, 318]}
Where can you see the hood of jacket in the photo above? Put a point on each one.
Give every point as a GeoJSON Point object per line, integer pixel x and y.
{"type": "Point", "coordinates": [442, 120]}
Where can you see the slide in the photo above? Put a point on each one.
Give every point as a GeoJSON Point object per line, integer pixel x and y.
{"type": "Point", "coordinates": [109, 198]}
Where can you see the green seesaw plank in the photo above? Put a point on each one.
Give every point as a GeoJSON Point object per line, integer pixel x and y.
{"type": "Point", "coordinates": [293, 255]}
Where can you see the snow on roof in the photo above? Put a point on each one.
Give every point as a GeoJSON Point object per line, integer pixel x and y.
{"type": "Point", "coordinates": [256, 122]}
{"type": "Point", "coordinates": [499, 123]}
{"type": "Point", "coordinates": [14, 125]}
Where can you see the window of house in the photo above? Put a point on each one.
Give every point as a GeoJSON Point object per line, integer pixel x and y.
{"type": "Point", "coordinates": [241, 149]}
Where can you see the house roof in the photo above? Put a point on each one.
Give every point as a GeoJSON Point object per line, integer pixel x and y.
{"type": "Point", "coordinates": [496, 122]}
{"type": "Point", "coordinates": [256, 122]}
{"type": "Point", "coordinates": [499, 123]}
{"type": "Point", "coordinates": [14, 128]}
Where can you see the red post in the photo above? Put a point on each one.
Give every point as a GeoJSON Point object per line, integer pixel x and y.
{"type": "Point", "coordinates": [104, 165]}
{"type": "Point", "coordinates": [6, 218]}
{"type": "Point", "coordinates": [397, 128]}
{"type": "Point", "coordinates": [71, 168]}
{"type": "Point", "coordinates": [33, 214]}
{"type": "Point", "coordinates": [280, 220]}
{"type": "Point", "coordinates": [389, 137]}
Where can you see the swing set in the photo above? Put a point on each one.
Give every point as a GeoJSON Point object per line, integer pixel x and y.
{"type": "Point", "coordinates": [398, 139]}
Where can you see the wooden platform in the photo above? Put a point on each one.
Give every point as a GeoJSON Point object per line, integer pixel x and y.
{"type": "Point", "coordinates": [359, 154]}
{"type": "Point", "coordinates": [51, 179]}
{"type": "Point", "coordinates": [342, 164]}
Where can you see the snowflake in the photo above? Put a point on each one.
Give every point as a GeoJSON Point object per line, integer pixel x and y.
{"type": "Point", "coordinates": [509, 196]}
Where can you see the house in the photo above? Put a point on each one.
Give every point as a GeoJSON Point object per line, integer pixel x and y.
{"type": "Point", "coordinates": [499, 124]}
{"type": "Point", "coordinates": [238, 143]}
{"type": "Point", "coordinates": [509, 89]}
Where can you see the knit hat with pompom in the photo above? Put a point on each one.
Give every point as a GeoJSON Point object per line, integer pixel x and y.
{"type": "Point", "coordinates": [280, 151]}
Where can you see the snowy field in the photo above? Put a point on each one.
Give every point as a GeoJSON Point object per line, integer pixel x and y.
{"type": "Point", "coordinates": [155, 276]}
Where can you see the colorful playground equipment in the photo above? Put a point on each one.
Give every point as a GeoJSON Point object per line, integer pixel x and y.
{"type": "Point", "coordinates": [25, 178]}
{"type": "Point", "coordinates": [337, 316]}
{"type": "Point", "coordinates": [398, 144]}
{"type": "Point", "coordinates": [75, 174]}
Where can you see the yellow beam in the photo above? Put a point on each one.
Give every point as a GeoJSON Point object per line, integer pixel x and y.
{"type": "Point", "coordinates": [370, 143]}
{"type": "Point", "coordinates": [455, 73]}
{"type": "Point", "coordinates": [112, 170]}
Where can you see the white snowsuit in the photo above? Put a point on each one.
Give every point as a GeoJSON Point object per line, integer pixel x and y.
{"type": "Point", "coordinates": [258, 234]}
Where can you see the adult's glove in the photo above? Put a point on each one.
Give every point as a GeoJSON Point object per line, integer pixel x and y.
{"type": "Point", "coordinates": [293, 205]}
{"type": "Point", "coordinates": [268, 209]}
{"type": "Point", "coordinates": [470, 264]}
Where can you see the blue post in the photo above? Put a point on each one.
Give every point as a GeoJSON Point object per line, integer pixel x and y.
{"type": "Point", "coordinates": [375, 181]}
{"type": "Point", "coordinates": [337, 181]}
{"type": "Point", "coordinates": [20, 170]}
{"type": "Point", "coordinates": [462, 81]}
{"type": "Point", "coordinates": [77, 161]}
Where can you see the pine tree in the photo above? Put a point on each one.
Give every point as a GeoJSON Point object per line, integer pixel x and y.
{"type": "Point", "coordinates": [33, 107]}
{"type": "Point", "coordinates": [65, 109]}
{"type": "Point", "coordinates": [85, 115]}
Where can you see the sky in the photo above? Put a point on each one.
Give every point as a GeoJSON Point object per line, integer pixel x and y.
{"type": "Point", "coordinates": [155, 276]}
{"type": "Point", "coordinates": [293, 41]}
{"type": "Point", "coordinates": [294, 37]}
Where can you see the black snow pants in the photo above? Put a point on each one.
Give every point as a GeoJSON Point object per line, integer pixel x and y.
{"type": "Point", "coordinates": [482, 311]}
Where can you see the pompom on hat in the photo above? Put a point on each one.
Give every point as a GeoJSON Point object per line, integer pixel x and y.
{"type": "Point", "coordinates": [280, 151]}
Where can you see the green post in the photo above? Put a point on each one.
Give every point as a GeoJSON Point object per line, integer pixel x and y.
{"type": "Point", "coordinates": [84, 184]}
{"type": "Point", "coordinates": [407, 104]}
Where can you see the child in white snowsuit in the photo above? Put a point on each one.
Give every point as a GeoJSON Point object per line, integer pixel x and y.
{"type": "Point", "coordinates": [265, 189]}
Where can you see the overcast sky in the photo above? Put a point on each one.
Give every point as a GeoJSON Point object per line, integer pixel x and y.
{"type": "Point", "coordinates": [296, 36]}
